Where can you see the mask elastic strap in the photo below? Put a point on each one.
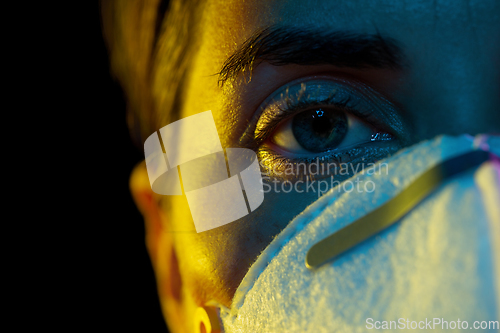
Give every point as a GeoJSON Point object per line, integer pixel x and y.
{"type": "Point", "coordinates": [392, 211]}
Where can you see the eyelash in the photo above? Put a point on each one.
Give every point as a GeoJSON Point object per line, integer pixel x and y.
{"type": "Point", "coordinates": [275, 162]}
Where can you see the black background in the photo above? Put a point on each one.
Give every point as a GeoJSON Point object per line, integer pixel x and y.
{"type": "Point", "coordinates": [125, 298]}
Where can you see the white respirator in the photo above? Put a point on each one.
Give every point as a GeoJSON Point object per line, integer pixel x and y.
{"type": "Point", "coordinates": [422, 249]}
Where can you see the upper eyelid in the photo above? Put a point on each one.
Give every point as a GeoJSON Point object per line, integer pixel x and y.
{"type": "Point", "coordinates": [338, 94]}
{"type": "Point", "coordinates": [347, 82]}
{"type": "Point", "coordinates": [247, 139]}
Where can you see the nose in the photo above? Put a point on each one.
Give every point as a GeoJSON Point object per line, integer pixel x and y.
{"type": "Point", "coordinates": [453, 94]}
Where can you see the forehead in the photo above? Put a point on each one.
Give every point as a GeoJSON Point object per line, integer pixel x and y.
{"type": "Point", "coordinates": [432, 33]}
{"type": "Point", "coordinates": [434, 20]}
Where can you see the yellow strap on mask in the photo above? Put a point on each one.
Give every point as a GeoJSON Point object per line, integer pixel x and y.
{"type": "Point", "coordinates": [393, 210]}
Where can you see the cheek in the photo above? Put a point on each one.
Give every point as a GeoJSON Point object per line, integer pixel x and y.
{"type": "Point", "coordinates": [213, 263]}
{"type": "Point", "coordinates": [178, 215]}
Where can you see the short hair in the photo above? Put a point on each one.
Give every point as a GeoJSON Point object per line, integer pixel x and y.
{"type": "Point", "coordinates": [150, 45]}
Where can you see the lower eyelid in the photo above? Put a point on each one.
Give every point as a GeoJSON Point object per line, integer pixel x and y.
{"type": "Point", "coordinates": [276, 163]}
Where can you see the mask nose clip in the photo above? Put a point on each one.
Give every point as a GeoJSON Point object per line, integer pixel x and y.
{"type": "Point", "coordinates": [392, 211]}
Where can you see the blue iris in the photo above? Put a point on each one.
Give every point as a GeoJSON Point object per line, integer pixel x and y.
{"type": "Point", "coordinates": [319, 130]}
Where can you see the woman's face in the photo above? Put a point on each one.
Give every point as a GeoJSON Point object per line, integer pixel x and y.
{"type": "Point", "coordinates": [411, 69]}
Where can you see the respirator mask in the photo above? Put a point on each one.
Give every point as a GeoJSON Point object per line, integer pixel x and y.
{"type": "Point", "coordinates": [422, 249]}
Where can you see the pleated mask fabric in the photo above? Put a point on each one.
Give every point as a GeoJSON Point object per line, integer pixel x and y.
{"type": "Point", "coordinates": [440, 260]}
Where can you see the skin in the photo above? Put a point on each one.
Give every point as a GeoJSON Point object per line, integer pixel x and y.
{"type": "Point", "coordinates": [450, 86]}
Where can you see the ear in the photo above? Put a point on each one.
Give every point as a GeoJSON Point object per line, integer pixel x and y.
{"type": "Point", "coordinates": [147, 203]}
{"type": "Point", "coordinates": [159, 243]}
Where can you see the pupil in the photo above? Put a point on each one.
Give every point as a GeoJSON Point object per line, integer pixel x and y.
{"type": "Point", "coordinates": [322, 126]}
{"type": "Point", "coordinates": [318, 130]}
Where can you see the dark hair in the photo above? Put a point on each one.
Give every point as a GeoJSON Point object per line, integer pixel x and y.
{"type": "Point", "coordinates": [150, 45]}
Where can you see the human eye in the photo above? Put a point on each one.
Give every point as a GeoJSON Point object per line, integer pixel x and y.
{"type": "Point", "coordinates": [332, 122]}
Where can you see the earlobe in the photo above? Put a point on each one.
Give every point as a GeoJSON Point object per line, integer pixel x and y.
{"type": "Point", "coordinates": [207, 320]}
{"type": "Point", "coordinates": [160, 246]}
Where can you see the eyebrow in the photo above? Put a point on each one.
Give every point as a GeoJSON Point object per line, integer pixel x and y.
{"type": "Point", "coordinates": [311, 46]}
